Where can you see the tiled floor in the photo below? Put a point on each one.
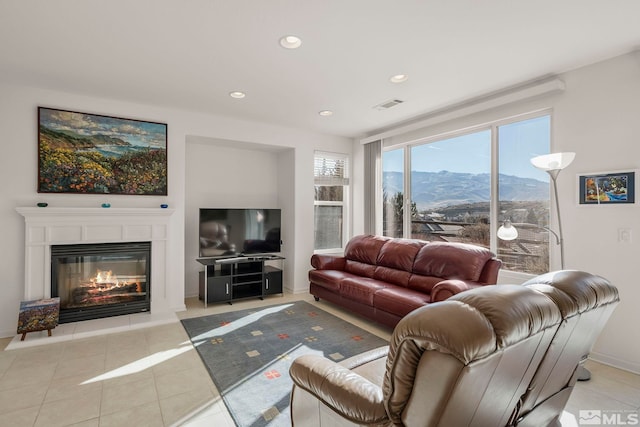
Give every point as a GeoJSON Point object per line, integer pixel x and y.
{"type": "Point", "coordinates": [153, 377]}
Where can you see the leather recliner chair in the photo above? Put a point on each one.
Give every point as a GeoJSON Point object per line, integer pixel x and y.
{"type": "Point", "coordinates": [586, 302]}
{"type": "Point", "coordinates": [471, 360]}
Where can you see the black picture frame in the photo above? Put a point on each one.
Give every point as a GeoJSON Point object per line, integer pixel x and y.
{"type": "Point", "coordinates": [96, 154]}
{"type": "Point", "coordinates": [613, 188]}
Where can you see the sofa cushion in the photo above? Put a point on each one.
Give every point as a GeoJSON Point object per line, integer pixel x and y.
{"type": "Point", "coordinates": [398, 300]}
{"type": "Point", "coordinates": [399, 254]}
{"type": "Point", "coordinates": [358, 268]}
{"type": "Point", "coordinates": [451, 260]}
{"type": "Point", "coordinates": [393, 276]}
{"type": "Point", "coordinates": [423, 283]}
{"type": "Point", "coordinates": [360, 289]}
{"type": "Point", "coordinates": [364, 249]}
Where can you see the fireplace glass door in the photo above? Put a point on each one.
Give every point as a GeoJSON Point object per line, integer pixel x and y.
{"type": "Point", "coordinates": [101, 280]}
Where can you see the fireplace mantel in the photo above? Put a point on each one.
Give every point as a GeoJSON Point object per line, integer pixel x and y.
{"type": "Point", "coordinates": [49, 226]}
{"type": "Point", "coordinates": [53, 212]}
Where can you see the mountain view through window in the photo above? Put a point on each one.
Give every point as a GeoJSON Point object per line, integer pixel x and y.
{"type": "Point", "coordinates": [450, 191]}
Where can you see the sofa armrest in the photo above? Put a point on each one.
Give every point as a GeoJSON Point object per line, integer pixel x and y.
{"type": "Point", "coordinates": [490, 272]}
{"type": "Point", "coordinates": [327, 262]}
{"type": "Point", "coordinates": [448, 288]}
{"type": "Point", "coordinates": [345, 392]}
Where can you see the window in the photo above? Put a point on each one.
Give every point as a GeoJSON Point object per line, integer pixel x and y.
{"type": "Point", "coordinates": [460, 184]}
{"type": "Point", "coordinates": [451, 189]}
{"type": "Point", "coordinates": [523, 194]}
{"type": "Point", "coordinates": [331, 181]}
{"type": "Point", "coordinates": [393, 193]}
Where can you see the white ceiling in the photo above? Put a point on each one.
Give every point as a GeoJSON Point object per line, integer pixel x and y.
{"type": "Point", "coordinates": [189, 54]}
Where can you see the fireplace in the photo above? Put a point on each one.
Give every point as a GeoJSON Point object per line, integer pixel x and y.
{"type": "Point", "coordinates": [67, 226]}
{"type": "Point", "coordinates": [101, 279]}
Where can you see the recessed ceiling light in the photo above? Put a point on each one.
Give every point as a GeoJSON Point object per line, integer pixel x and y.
{"type": "Point", "coordinates": [290, 42]}
{"type": "Point", "coordinates": [326, 113]}
{"type": "Point", "coordinates": [237, 94]}
{"type": "Point", "coordinates": [398, 78]}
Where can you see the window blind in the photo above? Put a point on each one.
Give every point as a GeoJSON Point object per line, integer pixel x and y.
{"type": "Point", "coordinates": [330, 169]}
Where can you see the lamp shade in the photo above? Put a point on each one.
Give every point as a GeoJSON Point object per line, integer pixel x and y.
{"type": "Point", "coordinates": [507, 231]}
{"type": "Point", "coordinates": [553, 161]}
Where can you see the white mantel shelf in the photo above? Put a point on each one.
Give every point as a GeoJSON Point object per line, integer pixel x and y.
{"type": "Point", "coordinates": [48, 212]}
{"type": "Point", "coordinates": [48, 226]}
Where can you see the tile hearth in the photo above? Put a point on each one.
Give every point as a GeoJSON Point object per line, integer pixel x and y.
{"type": "Point", "coordinates": [92, 328]}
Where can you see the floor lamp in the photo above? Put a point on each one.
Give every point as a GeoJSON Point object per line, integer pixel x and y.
{"type": "Point", "coordinates": [552, 164]}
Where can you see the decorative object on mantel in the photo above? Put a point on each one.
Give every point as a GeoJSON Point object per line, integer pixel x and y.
{"type": "Point", "coordinates": [38, 315]}
{"type": "Point", "coordinates": [106, 205]}
{"type": "Point", "coordinates": [92, 153]}
{"type": "Point", "coordinates": [164, 206]}
{"type": "Point", "coordinates": [42, 205]}
{"type": "Point", "coordinates": [613, 188]}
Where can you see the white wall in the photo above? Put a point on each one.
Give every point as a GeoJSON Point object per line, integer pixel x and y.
{"type": "Point", "coordinates": [597, 116]}
{"type": "Point", "coordinates": [286, 201]}
{"type": "Point", "coordinates": [18, 175]}
{"type": "Point", "coordinates": [224, 174]}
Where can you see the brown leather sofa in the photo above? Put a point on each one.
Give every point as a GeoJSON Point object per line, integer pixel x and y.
{"type": "Point", "coordinates": [384, 278]}
{"type": "Point", "coordinates": [504, 355]}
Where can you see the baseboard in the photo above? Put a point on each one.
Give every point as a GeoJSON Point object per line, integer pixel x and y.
{"type": "Point", "coordinates": [625, 365]}
{"type": "Point", "coordinates": [294, 292]}
{"type": "Point", "coordinates": [8, 333]}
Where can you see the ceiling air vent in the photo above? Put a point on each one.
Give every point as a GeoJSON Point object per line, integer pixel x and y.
{"type": "Point", "coordinates": [388, 104]}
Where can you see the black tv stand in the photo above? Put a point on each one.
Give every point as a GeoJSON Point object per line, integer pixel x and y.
{"type": "Point", "coordinates": [229, 279]}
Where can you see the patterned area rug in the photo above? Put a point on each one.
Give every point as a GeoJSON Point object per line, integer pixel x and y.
{"type": "Point", "coordinates": [248, 354]}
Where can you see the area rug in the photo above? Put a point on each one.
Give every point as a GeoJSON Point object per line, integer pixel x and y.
{"type": "Point", "coordinates": [248, 354]}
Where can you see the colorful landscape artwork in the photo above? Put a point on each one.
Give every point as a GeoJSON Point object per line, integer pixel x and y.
{"type": "Point", "coordinates": [38, 315]}
{"type": "Point", "coordinates": [91, 153]}
{"type": "Point", "coordinates": [610, 188]}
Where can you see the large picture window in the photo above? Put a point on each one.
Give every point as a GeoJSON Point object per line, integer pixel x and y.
{"type": "Point", "coordinates": [331, 181]}
{"type": "Point", "coordinates": [451, 189]}
{"type": "Point", "coordinates": [393, 193]}
{"type": "Point", "coordinates": [461, 187]}
{"type": "Point", "coordinates": [523, 194]}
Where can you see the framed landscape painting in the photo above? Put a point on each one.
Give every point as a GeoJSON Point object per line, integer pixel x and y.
{"type": "Point", "coordinates": [90, 153]}
{"type": "Point", "coordinates": [607, 188]}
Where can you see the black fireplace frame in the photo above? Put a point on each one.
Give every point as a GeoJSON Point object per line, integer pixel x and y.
{"type": "Point", "coordinates": [68, 315]}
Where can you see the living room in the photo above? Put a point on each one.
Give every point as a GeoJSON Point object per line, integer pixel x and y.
{"type": "Point", "coordinates": [271, 165]}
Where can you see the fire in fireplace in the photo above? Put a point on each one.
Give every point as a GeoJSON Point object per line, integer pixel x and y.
{"type": "Point", "coordinates": [101, 279]}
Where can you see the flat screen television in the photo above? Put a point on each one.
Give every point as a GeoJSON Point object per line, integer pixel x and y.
{"type": "Point", "coordinates": [237, 232]}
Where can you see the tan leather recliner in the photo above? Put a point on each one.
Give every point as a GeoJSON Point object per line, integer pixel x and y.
{"type": "Point", "coordinates": [482, 358]}
{"type": "Point", "coordinates": [586, 303]}
{"type": "Point", "coordinates": [450, 363]}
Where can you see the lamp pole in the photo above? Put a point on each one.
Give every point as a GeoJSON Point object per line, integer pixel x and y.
{"type": "Point", "coordinates": [554, 176]}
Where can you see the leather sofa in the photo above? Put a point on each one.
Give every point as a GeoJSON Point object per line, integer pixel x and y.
{"type": "Point", "coordinates": [384, 278]}
{"type": "Point", "coordinates": [505, 355]}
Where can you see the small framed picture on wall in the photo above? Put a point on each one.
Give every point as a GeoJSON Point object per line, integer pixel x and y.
{"type": "Point", "coordinates": [610, 188]}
